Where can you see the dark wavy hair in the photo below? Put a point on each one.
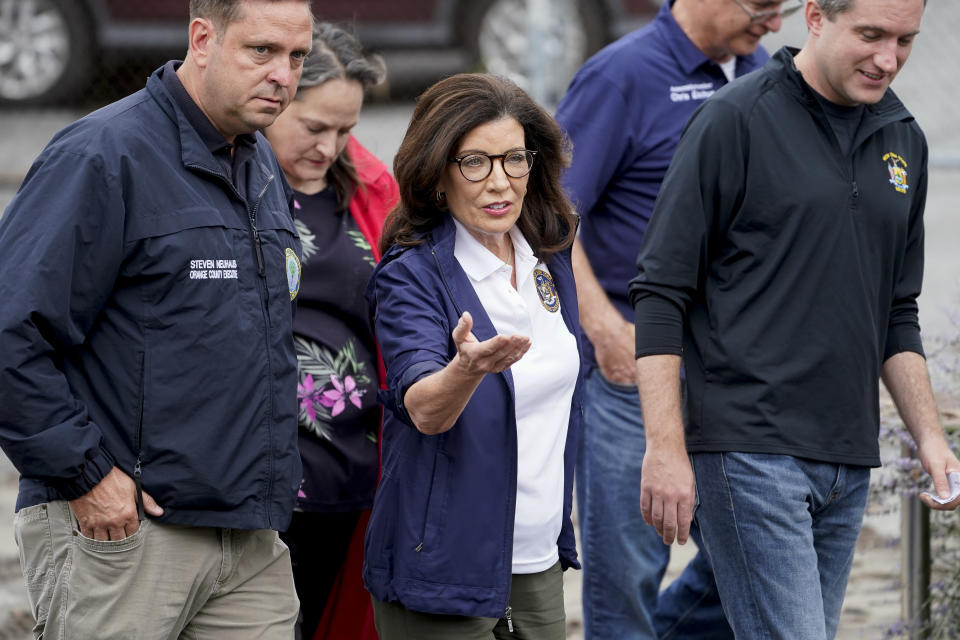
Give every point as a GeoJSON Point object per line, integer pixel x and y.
{"type": "Point", "coordinates": [444, 114]}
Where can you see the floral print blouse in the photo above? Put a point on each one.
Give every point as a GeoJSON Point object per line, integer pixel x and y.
{"type": "Point", "coordinates": [336, 358]}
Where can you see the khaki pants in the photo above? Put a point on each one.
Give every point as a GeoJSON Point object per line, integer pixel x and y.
{"type": "Point", "coordinates": [536, 601]}
{"type": "Point", "coordinates": [162, 583]}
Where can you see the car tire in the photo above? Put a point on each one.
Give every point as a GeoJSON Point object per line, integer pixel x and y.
{"type": "Point", "coordinates": [46, 50]}
{"type": "Point", "coordinates": [496, 35]}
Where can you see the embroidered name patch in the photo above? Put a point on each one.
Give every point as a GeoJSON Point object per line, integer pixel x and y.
{"type": "Point", "coordinates": [293, 273]}
{"type": "Point", "coordinates": [546, 290]}
{"type": "Point", "coordinates": [688, 92]}
{"type": "Point", "coordinates": [213, 269]}
{"type": "Point", "coordinates": [897, 168]}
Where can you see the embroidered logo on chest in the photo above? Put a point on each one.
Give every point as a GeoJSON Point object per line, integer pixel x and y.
{"type": "Point", "coordinates": [293, 273]}
{"type": "Point", "coordinates": [546, 290]}
{"type": "Point", "coordinates": [897, 168]}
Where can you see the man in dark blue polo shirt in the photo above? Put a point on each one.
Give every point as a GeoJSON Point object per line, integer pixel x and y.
{"type": "Point", "coordinates": [624, 112]}
{"type": "Point", "coordinates": [782, 267]}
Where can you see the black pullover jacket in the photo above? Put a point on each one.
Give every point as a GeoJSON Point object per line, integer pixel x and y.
{"type": "Point", "coordinates": [783, 271]}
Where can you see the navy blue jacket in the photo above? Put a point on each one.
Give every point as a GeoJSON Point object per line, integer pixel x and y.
{"type": "Point", "coordinates": [138, 328]}
{"type": "Point", "coordinates": [440, 539]}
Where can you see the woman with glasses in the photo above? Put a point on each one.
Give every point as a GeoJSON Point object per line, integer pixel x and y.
{"type": "Point", "coordinates": [476, 314]}
{"type": "Point", "coordinates": [341, 196]}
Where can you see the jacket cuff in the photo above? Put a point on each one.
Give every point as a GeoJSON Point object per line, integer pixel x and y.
{"type": "Point", "coordinates": [413, 373]}
{"type": "Point", "coordinates": [902, 338]}
{"type": "Point", "coordinates": [98, 464]}
{"type": "Point", "coordinates": [659, 327]}
{"type": "Point", "coordinates": [570, 562]}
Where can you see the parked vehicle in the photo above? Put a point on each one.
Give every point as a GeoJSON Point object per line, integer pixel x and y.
{"type": "Point", "coordinates": [51, 49]}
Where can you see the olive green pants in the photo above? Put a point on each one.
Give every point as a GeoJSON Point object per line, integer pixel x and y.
{"type": "Point", "coordinates": [536, 613]}
{"type": "Point", "coordinates": [164, 582]}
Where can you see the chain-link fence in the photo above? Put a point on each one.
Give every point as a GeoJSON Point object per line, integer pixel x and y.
{"type": "Point", "coordinates": [91, 52]}
{"type": "Point", "coordinates": [929, 84]}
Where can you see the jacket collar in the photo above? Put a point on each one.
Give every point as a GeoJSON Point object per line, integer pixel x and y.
{"type": "Point", "coordinates": [442, 241]}
{"type": "Point", "coordinates": [876, 116]}
{"type": "Point", "coordinates": [687, 55]}
{"type": "Point", "coordinates": [369, 168]}
{"type": "Point", "coordinates": [194, 151]}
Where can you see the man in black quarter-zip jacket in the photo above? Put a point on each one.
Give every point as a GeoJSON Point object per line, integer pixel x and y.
{"type": "Point", "coordinates": [782, 265]}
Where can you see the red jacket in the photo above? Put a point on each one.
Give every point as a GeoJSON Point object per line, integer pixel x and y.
{"type": "Point", "coordinates": [375, 198]}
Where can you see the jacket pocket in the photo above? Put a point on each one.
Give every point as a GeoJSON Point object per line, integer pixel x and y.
{"type": "Point", "coordinates": [435, 511]}
{"type": "Point", "coordinates": [155, 224]}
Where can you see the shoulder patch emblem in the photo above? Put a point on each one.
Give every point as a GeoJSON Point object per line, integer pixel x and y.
{"type": "Point", "coordinates": [897, 168]}
{"type": "Point", "coordinates": [546, 290]}
{"type": "Point", "coordinates": [293, 273]}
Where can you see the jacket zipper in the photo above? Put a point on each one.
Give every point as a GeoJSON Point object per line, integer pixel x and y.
{"type": "Point", "coordinates": [258, 250]}
{"type": "Point", "coordinates": [264, 295]}
{"type": "Point", "coordinates": [854, 187]}
{"type": "Point", "coordinates": [265, 308]}
{"type": "Point", "coordinates": [138, 466]}
{"type": "Point", "coordinates": [256, 233]}
{"type": "Point", "coordinates": [508, 616]}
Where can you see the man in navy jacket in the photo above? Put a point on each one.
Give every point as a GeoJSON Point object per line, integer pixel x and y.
{"type": "Point", "coordinates": [148, 267]}
{"type": "Point", "coordinates": [624, 112]}
{"type": "Point", "coordinates": [783, 264]}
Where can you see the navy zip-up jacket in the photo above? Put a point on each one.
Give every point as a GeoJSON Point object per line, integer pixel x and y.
{"type": "Point", "coordinates": [785, 271]}
{"type": "Point", "coordinates": [440, 539]}
{"type": "Point", "coordinates": [146, 320]}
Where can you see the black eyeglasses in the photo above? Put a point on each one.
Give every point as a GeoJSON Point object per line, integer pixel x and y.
{"type": "Point", "coordinates": [477, 166]}
{"type": "Point", "coordinates": [760, 16]}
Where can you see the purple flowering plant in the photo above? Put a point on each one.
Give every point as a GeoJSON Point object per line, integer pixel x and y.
{"type": "Point", "coordinates": [902, 475]}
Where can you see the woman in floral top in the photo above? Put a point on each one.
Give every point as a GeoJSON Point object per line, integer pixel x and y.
{"type": "Point", "coordinates": [342, 194]}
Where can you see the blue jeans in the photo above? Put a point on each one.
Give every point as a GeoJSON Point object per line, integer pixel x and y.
{"type": "Point", "coordinates": [782, 532]}
{"type": "Point", "coordinates": [623, 557]}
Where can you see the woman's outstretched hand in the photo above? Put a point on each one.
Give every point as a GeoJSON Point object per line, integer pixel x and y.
{"type": "Point", "coordinates": [490, 356]}
{"type": "Point", "coordinates": [435, 402]}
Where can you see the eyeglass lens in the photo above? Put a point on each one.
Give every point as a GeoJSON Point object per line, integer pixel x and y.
{"type": "Point", "coordinates": [787, 8]}
{"type": "Point", "coordinates": [478, 166]}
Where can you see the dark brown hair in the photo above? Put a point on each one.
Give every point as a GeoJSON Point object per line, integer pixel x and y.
{"type": "Point", "coordinates": [337, 54]}
{"type": "Point", "coordinates": [831, 8]}
{"type": "Point", "coordinates": [444, 114]}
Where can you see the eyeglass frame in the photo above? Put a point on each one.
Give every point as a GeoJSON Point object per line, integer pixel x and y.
{"type": "Point", "coordinates": [491, 157]}
{"type": "Point", "coordinates": [763, 16]}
